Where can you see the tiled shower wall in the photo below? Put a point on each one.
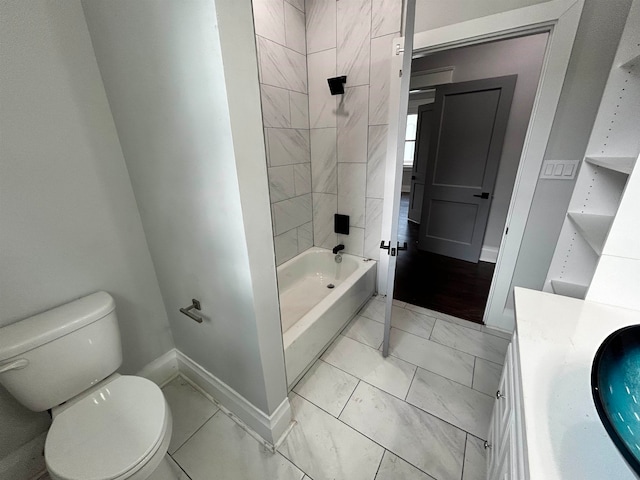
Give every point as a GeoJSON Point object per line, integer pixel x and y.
{"type": "Point", "coordinates": [325, 153]}
{"type": "Point", "coordinates": [348, 132]}
{"type": "Point", "coordinates": [280, 37]}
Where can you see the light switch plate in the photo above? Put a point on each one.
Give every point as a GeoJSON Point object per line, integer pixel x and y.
{"type": "Point", "coordinates": [559, 169]}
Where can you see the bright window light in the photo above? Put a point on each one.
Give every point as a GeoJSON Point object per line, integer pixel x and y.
{"type": "Point", "coordinates": [410, 139]}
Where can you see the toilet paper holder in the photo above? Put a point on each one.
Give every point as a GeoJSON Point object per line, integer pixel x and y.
{"type": "Point", "coordinates": [187, 311]}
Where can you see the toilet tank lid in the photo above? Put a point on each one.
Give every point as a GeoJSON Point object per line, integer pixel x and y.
{"type": "Point", "coordinates": [27, 334]}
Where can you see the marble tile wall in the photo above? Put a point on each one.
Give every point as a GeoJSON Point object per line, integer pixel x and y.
{"type": "Point", "coordinates": [325, 153]}
{"type": "Point", "coordinates": [348, 132]}
{"type": "Point", "coordinates": [280, 27]}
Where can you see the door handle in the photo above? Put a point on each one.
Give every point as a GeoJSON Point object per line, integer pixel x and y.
{"type": "Point", "coordinates": [484, 195]}
{"type": "Point", "coordinates": [413, 177]}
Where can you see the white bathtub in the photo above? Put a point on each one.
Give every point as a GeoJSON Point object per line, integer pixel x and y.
{"type": "Point", "coordinates": [313, 314]}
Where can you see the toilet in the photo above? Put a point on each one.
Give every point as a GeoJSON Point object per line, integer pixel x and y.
{"type": "Point", "coordinates": [105, 426]}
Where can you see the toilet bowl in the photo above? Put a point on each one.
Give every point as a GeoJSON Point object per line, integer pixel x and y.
{"type": "Point", "coordinates": [105, 426]}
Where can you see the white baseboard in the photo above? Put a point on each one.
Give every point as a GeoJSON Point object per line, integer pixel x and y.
{"type": "Point", "coordinates": [489, 254]}
{"type": "Point", "coordinates": [271, 428]}
{"type": "Point", "coordinates": [162, 370]}
{"type": "Point", "coordinates": [27, 462]}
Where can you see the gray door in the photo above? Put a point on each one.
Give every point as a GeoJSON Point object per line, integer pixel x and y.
{"type": "Point", "coordinates": [425, 115]}
{"type": "Point", "coordinates": [469, 123]}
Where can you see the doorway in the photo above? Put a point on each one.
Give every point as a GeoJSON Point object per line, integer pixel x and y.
{"type": "Point", "coordinates": [468, 144]}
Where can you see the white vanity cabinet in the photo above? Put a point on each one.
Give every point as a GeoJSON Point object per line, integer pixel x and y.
{"type": "Point", "coordinates": [545, 425]}
{"type": "Point", "coordinates": [505, 444]}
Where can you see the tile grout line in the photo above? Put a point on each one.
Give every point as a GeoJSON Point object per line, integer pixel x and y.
{"type": "Point", "coordinates": [197, 430]}
{"type": "Point", "coordinates": [410, 363]}
{"type": "Point", "coordinates": [435, 373]}
{"type": "Point", "coordinates": [364, 381]}
{"type": "Point", "coordinates": [451, 380]}
{"type": "Point", "coordinates": [372, 440]}
{"type": "Point", "coordinates": [464, 455]}
{"type": "Point", "coordinates": [473, 374]}
{"type": "Point", "coordinates": [379, 464]}
{"type": "Point", "coordinates": [360, 380]}
{"type": "Point", "coordinates": [441, 419]}
{"type": "Point", "coordinates": [283, 46]}
{"type": "Point", "coordinates": [179, 466]}
{"type": "Point", "coordinates": [415, 372]}
{"type": "Point", "coordinates": [379, 444]}
{"type": "Point", "coordinates": [457, 349]}
{"type": "Point", "coordinates": [345, 403]}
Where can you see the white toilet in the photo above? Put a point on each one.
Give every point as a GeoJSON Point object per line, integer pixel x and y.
{"type": "Point", "coordinates": [105, 426]}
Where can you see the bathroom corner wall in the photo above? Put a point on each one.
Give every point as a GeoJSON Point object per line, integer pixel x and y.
{"type": "Point", "coordinates": [68, 216]}
{"type": "Point", "coordinates": [348, 132]}
{"type": "Point", "coordinates": [280, 38]}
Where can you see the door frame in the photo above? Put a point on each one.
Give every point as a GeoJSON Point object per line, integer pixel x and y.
{"type": "Point", "coordinates": [560, 18]}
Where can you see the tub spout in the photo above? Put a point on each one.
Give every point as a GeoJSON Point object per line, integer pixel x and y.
{"type": "Point", "coordinates": [337, 248]}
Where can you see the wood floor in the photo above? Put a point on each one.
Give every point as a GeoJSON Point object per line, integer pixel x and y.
{"type": "Point", "coordinates": [440, 283]}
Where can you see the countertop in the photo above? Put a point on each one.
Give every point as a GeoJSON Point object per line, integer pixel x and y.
{"type": "Point", "coordinates": [557, 338]}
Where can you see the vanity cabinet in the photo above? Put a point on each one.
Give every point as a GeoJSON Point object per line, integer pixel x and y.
{"type": "Point", "coordinates": [505, 446]}
{"type": "Point", "coordinates": [545, 425]}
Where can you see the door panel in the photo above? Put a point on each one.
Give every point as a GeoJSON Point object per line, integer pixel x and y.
{"type": "Point", "coordinates": [415, 203]}
{"type": "Point", "coordinates": [464, 138]}
{"type": "Point", "coordinates": [425, 123]}
{"type": "Point", "coordinates": [468, 127]}
{"type": "Point", "coordinates": [441, 224]}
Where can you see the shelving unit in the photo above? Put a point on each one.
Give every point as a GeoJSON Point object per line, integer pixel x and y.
{"type": "Point", "coordinates": [593, 228]}
{"type": "Point", "coordinates": [611, 156]}
{"type": "Point", "coordinates": [569, 289]}
{"type": "Point", "coordinates": [619, 164]}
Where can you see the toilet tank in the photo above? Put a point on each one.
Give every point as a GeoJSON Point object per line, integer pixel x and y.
{"type": "Point", "coordinates": [51, 357]}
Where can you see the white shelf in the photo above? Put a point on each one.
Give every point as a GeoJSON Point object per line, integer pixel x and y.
{"type": "Point", "coordinates": [619, 164]}
{"type": "Point", "coordinates": [569, 289]}
{"type": "Point", "coordinates": [633, 63]}
{"type": "Point", "coordinates": [594, 228]}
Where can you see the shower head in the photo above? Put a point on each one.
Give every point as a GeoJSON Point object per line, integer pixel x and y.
{"type": "Point", "coordinates": [336, 84]}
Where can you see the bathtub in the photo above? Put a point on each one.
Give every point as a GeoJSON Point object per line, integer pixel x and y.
{"type": "Point", "coordinates": [313, 314]}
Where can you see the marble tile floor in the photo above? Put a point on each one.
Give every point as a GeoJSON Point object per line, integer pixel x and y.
{"type": "Point", "coordinates": [420, 414]}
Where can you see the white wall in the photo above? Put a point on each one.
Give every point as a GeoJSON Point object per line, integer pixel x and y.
{"type": "Point", "coordinates": [197, 164]}
{"type": "Point", "coordinates": [68, 219]}
{"type": "Point", "coordinates": [521, 56]}
{"type": "Point", "coordinates": [432, 14]}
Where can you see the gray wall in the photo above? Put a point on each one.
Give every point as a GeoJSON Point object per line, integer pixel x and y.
{"type": "Point", "coordinates": [182, 82]}
{"type": "Point", "coordinates": [69, 220]}
{"type": "Point", "coordinates": [517, 56]}
{"type": "Point", "coordinates": [280, 36]}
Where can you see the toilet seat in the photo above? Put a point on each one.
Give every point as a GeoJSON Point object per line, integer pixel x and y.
{"type": "Point", "coordinates": [110, 433]}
